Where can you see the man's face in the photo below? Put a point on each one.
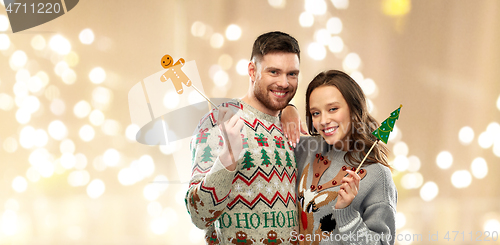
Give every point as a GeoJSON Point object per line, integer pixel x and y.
{"type": "Point", "coordinates": [274, 80]}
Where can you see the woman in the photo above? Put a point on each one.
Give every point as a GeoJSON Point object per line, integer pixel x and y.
{"type": "Point", "coordinates": [336, 205]}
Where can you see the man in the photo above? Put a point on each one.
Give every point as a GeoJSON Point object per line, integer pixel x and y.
{"type": "Point", "coordinates": [242, 188]}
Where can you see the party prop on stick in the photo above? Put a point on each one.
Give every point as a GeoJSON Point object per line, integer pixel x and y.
{"type": "Point", "coordinates": [382, 133]}
{"type": "Point", "coordinates": [163, 119]}
{"type": "Point", "coordinates": [177, 76]}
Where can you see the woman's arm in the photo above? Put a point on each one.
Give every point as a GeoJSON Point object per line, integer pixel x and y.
{"type": "Point", "coordinates": [377, 223]}
{"type": "Point", "coordinates": [291, 124]}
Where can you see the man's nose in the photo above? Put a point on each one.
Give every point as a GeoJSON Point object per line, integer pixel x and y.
{"type": "Point", "coordinates": [283, 81]}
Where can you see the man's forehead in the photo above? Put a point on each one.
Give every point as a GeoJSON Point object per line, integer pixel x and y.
{"type": "Point", "coordinates": [281, 59]}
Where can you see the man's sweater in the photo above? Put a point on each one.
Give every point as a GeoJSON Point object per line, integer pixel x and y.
{"type": "Point", "coordinates": [369, 219]}
{"type": "Point", "coordinates": [255, 204]}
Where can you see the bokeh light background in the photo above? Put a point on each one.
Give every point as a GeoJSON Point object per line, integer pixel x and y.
{"type": "Point", "coordinates": [71, 172]}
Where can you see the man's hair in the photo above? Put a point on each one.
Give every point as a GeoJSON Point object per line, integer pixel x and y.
{"type": "Point", "coordinates": [274, 42]}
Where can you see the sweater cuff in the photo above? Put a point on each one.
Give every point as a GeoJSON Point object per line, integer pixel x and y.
{"type": "Point", "coordinates": [218, 182]}
{"type": "Point", "coordinates": [346, 218]}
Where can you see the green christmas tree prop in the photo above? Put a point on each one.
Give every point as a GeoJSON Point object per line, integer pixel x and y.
{"type": "Point", "coordinates": [382, 133]}
{"type": "Point", "coordinates": [207, 156]}
{"type": "Point", "coordinates": [248, 161]}
{"type": "Point", "coordinates": [288, 160]}
{"type": "Point", "coordinates": [265, 157]}
{"type": "Point", "coordinates": [277, 158]}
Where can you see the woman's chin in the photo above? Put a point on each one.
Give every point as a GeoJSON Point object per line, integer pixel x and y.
{"type": "Point", "coordinates": [330, 141]}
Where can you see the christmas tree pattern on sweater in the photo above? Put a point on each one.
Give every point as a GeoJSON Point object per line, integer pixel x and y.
{"type": "Point", "coordinates": [259, 197]}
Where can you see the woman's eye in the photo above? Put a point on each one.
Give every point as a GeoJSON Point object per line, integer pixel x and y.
{"type": "Point", "coordinates": [333, 109]}
{"type": "Point", "coordinates": [314, 114]}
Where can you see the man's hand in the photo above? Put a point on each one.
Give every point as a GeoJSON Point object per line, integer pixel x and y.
{"type": "Point", "coordinates": [230, 126]}
{"type": "Point", "coordinates": [290, 121]}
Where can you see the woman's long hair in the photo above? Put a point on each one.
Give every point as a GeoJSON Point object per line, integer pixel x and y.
{"type": "Point", "coordinates": [362, 123]}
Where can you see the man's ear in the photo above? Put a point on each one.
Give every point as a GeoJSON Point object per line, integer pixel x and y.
{"type": "Point", "coordinates": [252, 70]}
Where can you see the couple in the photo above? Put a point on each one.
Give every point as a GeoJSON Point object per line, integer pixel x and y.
{"type": "Point", "coordinates": [252, 185]}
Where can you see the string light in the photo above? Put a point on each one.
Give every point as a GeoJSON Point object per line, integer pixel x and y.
{"type": "Point", "coordinates": [461, 178]}
{"type": "Point", "coordinates": [38, 42]}
{"type": "Point", "coordinates": [96, 188]}
{"type": "Point", "coordinates": [334, 25]}
{"type": "Point", "coordinates": [412, 180]}
{"type": "Point", "coordinates": [233, 32]}
{"type": "Point", "coordinates": [60, 45]}
{"type": "Point", "coordinates": [4, 42]}
{"type": "Point", "coordinates": [400, 220]}
{"type": "Point", "coordinates": [316, 51]}
{"type": "Point", "coordinates": [400, 149]}
{"type": "Point", "coordinates": [466, 135]}
{"type": "Point", "coordinates": [306, 19]}
{"type": "Point", "coordinates": [86, 36]}
{"type": "Point", "coordinates": [315, 7]}
{"type": "Point", "coordinates": [111, 157]}
{"type": "Point", "coordinates": [4, 23]}
{"type": "Point", "coordinates": [444, 160]}
{"type": "Point", "coordinates": [279, 4]}
{"type": "Point", "coordinates": [225, 61]}
{"type": "Point", "coordinates": [217, 40]}
{"type": "Point", "coordinates": [18, 59]}
{"type": "Point", "coordinates": [429, 191]}
{"type": "Point", "coordinates": [97, 75]}
{"type": "Point", "coordinates": [57, 106]}
{"type": "Point", "coordinates": [19, 184]}
{"type": "Point", "coordinates": [340, 4]}
{"type": "Point", "coordinates": [57, 130]}
{"type": "Point", "coordinates": [131, 132]}
{"type": "Point", "coordinates": [221, 78]}
{"type": "Point", "coordinates": [198, 29]}
{"type": "Point", "coordinates": [242, 67]}
{"type": "Point", "coordinates": [82, 109]}
{"type": "Point", "coordinates": [479, 168]}
{"type": "Point", "coordinates": [351, 62]}
{"type": "Point", "coordinates": [336, 45]}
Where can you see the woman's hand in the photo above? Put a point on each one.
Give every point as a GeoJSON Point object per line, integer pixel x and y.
{"type": "Point", "coordinates": [290, 121]}
{"type": "Point", "coordinates": [230, 126]}
{"type": "Point", "coordinates": [348, 190]}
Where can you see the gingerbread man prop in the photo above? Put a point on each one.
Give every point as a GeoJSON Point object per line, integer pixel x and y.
{"type": "Point", "coordinates": [174, 73]}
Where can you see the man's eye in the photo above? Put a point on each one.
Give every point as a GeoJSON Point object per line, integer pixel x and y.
{"type": "Point", "coordinates": [293, 74]}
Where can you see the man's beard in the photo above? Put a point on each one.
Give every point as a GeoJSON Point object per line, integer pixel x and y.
{"type": "Point", "coordinates": [262, 95]}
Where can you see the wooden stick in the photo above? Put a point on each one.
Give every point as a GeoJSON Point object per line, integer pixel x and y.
{"type": "Point", "coordinates": [376, 142]}
{"type": "Point", "coordinates": [215, 106]}
{"type": "Point", "coordinates": [223, 128]}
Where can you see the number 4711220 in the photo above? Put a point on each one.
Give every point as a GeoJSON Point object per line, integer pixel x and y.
{"type": "Point", "coordinates": [40, 8]}
{"type": "Point", "coordinates": [460, 236]}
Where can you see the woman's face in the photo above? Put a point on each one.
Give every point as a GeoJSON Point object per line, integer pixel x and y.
{"type": "Point", "coordinates": [330, 115]}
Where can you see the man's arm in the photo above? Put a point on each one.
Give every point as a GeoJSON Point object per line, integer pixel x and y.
{"type": "Point", "coordinates": [211, 179]}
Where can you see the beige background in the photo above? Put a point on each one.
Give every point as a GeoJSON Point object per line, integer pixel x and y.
{"type": "Point", "coordinates": [440, 59]}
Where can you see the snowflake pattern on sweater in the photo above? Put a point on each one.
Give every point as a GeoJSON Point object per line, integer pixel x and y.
{"type": "Point", "coordinates": [256, 203]}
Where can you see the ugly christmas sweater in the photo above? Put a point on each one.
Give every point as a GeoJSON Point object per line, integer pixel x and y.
{"type": "Point", "coordinates": [369, 219]}
{"type": "Point", "coordinates": [255, 204]}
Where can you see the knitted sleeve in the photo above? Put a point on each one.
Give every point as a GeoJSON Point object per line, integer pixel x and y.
{"type": "Point", "coordinates": [210, 182]}
{"type": "Point", "coordinates": [377, 224]}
